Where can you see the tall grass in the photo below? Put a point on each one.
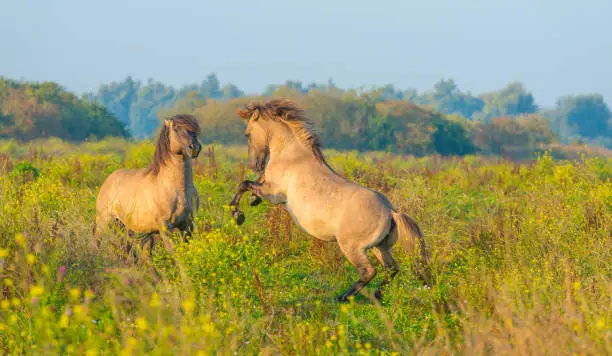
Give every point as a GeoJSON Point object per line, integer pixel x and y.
{"type": "Point", "coordinates": [521, 259]}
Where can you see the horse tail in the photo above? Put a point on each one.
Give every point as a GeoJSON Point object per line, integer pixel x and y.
{"type": "Point", "coordinates": [411, 237]}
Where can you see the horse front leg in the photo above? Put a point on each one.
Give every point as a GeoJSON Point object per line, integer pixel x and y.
{"type": "Point", "coordinates": [164, 235]}
{"type": "Point", "coordinates": [186, 231]}
{"type": "Point", "coordinates": [256, 199]}
{"type": "Point", "coordinates": [258, 189]}
{"type": "Point", "coordinates": [147, 244]}
{"type": "Point", "coordinates": [238, 215]}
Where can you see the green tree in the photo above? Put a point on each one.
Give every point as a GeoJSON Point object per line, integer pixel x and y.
{"type": "Point", "coordinates": [511, 100]}
{"type": "Point", "coordinates": [151, 98]}
{"type": "Point", "coordinates": [32, 110]}
{"type": "Point", "coordinates": [186, 104]}
{"type": "Point", "coordinates": [584, 115]}
{"type": "Point", "coordinates": [118, 97]}
{"type": "Point", "coordinates": [446, 98]}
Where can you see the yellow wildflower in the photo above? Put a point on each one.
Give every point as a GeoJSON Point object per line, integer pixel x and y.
{"type": "Point", "coordinates": [78, 310]}
{"type": "Point", "coordinates": [132, 342]}
{"type": "Point", "coordinates": [5, 304]}
{"type": "Point", "coordinates": [154, 303]}
{"type": "Point", "coordinates": [20, 239]}
{"type": "Point", "coordinates": [36, 291]}
{"type": "Point", "coordinates": [208, 327]}
{"type": "Point", "coordinates": [75, 293]}
{"type": "Point", "coordinates": [4, 252]}
{"type": "Point", "coordinates": [63, 323]}
{"type": "Point", "coordinates": [30, 258]}
{"type": "Point", "coordinates": [188, 305]}
{"type": "Point", "coordinates": [141, 324]}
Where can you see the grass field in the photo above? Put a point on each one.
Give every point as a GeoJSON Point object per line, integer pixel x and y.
{"type": "Point", "coordinates": [522, 261]}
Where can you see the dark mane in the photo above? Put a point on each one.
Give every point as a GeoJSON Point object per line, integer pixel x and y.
{"type": "Point", "coordinates": [287, 112]}
{"type": "Point", "coordinates": [162, 146]}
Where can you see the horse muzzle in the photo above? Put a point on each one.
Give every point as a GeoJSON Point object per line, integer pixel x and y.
{"type": "Point", "coordinates": [259, 161]}
{"type": "Point", "coordinates": [194, 150]}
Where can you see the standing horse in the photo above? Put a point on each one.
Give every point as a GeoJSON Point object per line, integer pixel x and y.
{"type": "Point", "coordinates": [286, 153]}
{"type": "Point", "coordinates": [160, 198]}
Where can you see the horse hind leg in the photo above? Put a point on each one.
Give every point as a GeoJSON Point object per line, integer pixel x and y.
{"type": "Point", "coordinates": [147, 245]}
{"type": "Point", "coordinates": [96, 232]}
{"type": "Point", "coordinates": [383, 254]}
{"type": "Point", "coordinates": [130, 249]}
{"type": "Point", "coordinates": [125, 246]}
{"type": "Point", "coordinates": [358, 257]}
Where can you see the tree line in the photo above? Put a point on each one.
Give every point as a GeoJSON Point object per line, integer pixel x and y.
{"type": "Point", "coordinates": [34, 110]}
{"type": "Point", "coordinates": [443, 120]}
{"type": "Point", "coordinates": [585, 118]}
{"type": "Point", "coordinates": [347, 120]}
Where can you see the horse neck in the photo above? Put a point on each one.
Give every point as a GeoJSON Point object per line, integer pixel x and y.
{"type": "Point", "coordinates": [177, 170]}
{"type": "Point", "coordinates": [292, 151]}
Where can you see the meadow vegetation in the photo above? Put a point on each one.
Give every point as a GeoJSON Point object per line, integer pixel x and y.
{"type": "Point", "coordinates": [521, 260]}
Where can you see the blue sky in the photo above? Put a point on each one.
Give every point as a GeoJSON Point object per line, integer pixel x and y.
{"type": "Point", "coordinates": [555, 47]}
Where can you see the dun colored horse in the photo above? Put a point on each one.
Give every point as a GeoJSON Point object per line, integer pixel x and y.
{"type": "Point", "coordinates": [158, 199]}
{"type": "Point", "coordinates": [286, 153]}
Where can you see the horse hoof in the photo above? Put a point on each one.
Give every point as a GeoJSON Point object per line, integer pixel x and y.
{"type": "Point", "coordinates": [238, 216]}
{"type": "Point", "coordinates": [255, 200]}
{"type": "Point", "coordinates": [378, 295]}
{"type": "Point", "coordinates": [343, 298]}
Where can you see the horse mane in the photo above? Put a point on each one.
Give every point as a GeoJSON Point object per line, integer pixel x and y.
{"type": "Point", "coordinates": [287, 112]}
{"type": "Point", "coordinates": [162, 146]}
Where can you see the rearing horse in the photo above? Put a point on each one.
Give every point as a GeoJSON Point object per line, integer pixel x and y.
{"type": "Point", "coordinates": [286, 153]}
{"type": "Point", "coordinates": [160, 198]}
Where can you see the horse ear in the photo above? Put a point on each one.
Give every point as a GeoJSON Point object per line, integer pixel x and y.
{"type": "Point", "coordinates": [243, 114]}
{"type": "Point", "coordinates": [248, 113]}
{"type": "Point", "coordinates": [168, 123]}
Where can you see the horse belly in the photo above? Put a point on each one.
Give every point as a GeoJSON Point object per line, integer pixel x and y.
{"type": "Point", "coordinates": [313, 221]}
{"type": "Point", "coordinates": [138, 216]}
{"type": "Point", "coordinates": [137, 209]}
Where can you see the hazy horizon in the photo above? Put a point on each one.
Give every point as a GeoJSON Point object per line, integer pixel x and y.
{"type": "Point", "coordinates": [554, 48]}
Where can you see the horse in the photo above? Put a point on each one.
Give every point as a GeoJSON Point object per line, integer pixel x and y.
{"type": "Point", "coordinates": [156, 200]}
{"type": "Point", "coordinates": [286, 152]}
